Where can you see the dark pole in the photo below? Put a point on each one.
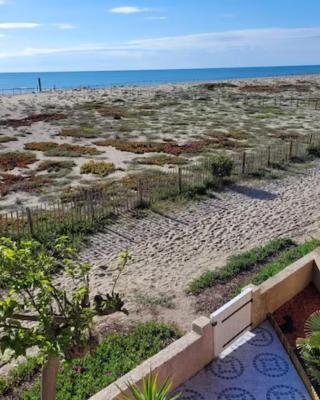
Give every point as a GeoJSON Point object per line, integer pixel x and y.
{"type": "Point", "coordinates": [39, 85]}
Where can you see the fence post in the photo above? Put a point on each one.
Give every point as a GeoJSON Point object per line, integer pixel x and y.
{"type": "Point", "coordinates": [290, 150]}
{"type": "Point", "coordinates": [311, 139]}
{"type": "Point", "coordinates": [180, 180]}
{"type": "Point", "coordinates": [269, 156]}
{"type": "Point", "coordinates": [140, 193]}
{"type": "Point", "coordinates": [244, 157]}
{"type": "Point", "coordinates": [30, 222]}
{"type": "Point", "coordinates": [91, 205]}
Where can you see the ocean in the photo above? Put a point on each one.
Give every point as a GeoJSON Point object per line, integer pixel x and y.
{"type": "Point", "coordinates": [66, 80]}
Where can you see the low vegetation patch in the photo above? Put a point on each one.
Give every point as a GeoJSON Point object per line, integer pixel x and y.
{"type": "Point", "coordinates": [100, 168]}
{"type": "Point", "coordinates": [28, 121]}
{"type": "Point", "coordinates": [81, 132]}
{"type": "Point", "coordinates": [114, 357]}
{"type": "Point", "coordinates": [53, 166]}
{"type": "Point", "coordinates": [161, 160]}
{"type": "Point", "coordinates": [19, 376]}
{"type": "Point", "coordinates": [105, 110]}
{"type": "Point", "coordinates": [52, 149]}
{"type": "Point", "coordinates": [7, 139]}
{"type": "Point", "coordinates": [156, 147]}
{"type": "Point", "coordinates": [239, 263]}
{"type": "Point", "coordinates": [14, 183]}
{"type": "Point", "coordinates": [218, 291]}
{"type": "Point", "coordinates": [222, 140]}
{"type": "Point", "coordinates": [284, 261]}
{"type": "Point", "coordinates": [132, 147]}
{"type": "Point", "coordinates": [12, 160]}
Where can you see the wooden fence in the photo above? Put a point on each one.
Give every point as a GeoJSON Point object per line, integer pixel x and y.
{"type": "Point", "coordinates": [88, 207]}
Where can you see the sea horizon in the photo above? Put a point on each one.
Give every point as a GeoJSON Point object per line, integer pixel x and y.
{"type": "Point", "coordinates": [77, 79]}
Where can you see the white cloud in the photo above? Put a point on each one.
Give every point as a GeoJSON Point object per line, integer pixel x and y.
{"type": "Point", "coordinates": [236, 48]}
{"type": "Point", "coordinates": [65, 26]}
{"type": "Point", "coordinates": [18, 25]}
{"type": "Point", "coordinates": [3, 2]}
{"type": "Point", "coordinates": [128, 10]}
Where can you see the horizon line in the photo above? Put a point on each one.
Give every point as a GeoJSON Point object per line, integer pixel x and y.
{"type": "Point", "coordinates": [161, 69]}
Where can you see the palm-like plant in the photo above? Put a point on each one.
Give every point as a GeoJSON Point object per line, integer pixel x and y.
{"type": "Point", "coordinates": [151, 390]}
{"type": "Point", "coordinates": [310, 346]}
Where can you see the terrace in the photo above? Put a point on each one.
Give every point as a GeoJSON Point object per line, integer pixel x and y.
{"type": "Point", "coordinates": [242, 351]}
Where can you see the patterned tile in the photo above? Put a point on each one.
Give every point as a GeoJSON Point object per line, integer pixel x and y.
{"type": "Point", "coordinates": [256, 367]}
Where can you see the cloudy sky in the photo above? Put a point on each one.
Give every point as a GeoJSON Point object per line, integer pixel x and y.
{"type": "Point", "coordinates": [58, 35]}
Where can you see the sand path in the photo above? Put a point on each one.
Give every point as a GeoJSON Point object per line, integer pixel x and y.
{"type": "Point", "coordinates": [169, 250]}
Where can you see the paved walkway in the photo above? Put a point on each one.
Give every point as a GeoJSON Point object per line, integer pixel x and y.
{"type": "Point", "coordinates": [256, 367]}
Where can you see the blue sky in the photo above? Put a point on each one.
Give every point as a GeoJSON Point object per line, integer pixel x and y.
{"type": "Point", "coordinates": [57, 35]}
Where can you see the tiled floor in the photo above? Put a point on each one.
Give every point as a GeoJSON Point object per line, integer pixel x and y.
{"type": "Point", "coordinates": [256, 367]}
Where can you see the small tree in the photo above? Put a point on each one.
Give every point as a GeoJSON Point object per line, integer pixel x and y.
{"type": "Point", "coordinates": [35, 311]}
{"type": "Point", "coordinates": [221, 165]}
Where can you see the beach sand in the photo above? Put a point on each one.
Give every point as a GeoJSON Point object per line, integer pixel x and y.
{"type": "Point", "coordinates": [179, 114]}
{"type": "Point", "coordinates": [171, 249]}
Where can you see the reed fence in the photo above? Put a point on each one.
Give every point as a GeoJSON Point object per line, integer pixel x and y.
{"type": "Point", "coordinates": [91, 207]}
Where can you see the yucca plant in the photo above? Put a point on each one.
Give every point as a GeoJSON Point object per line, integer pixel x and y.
{"type": "Point", "coordinates": [151, 390]}
{"type": "Point", "coordinates": [310, 346]}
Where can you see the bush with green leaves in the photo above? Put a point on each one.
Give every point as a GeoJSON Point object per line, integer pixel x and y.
{"type": "Point", "coordinates": [35, 311]}
{"type": "Point", "coordinates": [310, 346]}
{"type": "Point", "coordinates": [220, 165]}
{"type": "Point", "coordinates": [100, 168]}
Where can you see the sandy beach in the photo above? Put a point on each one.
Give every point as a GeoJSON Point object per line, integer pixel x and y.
{"type": "Point", "coordinates": [231, 116]}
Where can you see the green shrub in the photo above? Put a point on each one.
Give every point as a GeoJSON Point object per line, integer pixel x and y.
{"type": "Point", "coordinates": [239, 263]}
{"type": "Point", "coordinates": [114, 357]}
{"type": "Point", "coordinates": [309, 347]}
{"type": "Point", "coordinates": [100, 168]}
{"type": "Point", "coordinates": [314, 150]}
{"type": "Point", "coordinates": [220, 165]}
{"type": "Point", "coordinates": [24, 372]}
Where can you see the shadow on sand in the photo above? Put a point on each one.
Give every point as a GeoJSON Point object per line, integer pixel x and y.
{"type": "Point", "coordinates": [253, 193]}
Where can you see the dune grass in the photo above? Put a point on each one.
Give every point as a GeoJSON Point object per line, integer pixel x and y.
{"type": "Point", "coordinates": [239, 263]}
{"type": "Point", "coordinates": [284, 261]}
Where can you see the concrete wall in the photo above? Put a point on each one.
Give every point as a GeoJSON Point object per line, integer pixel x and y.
{"type": "Point", "coordinates": [179, 361]}
{"type": "Point", "coordinates": [281, 288]}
